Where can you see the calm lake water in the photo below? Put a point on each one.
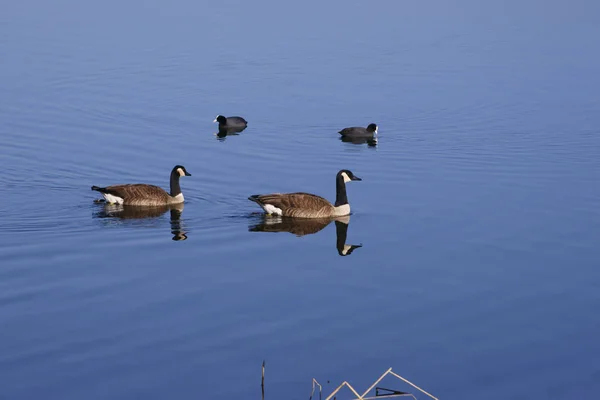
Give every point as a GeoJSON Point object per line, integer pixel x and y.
{"type": "Point", "coordinates": [478, 212]}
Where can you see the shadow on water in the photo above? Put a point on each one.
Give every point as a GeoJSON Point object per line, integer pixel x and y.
{"type": "Point", "coordinates": [223, 133]}
{"type": "Point", "coordinates": [371, 142]}
{"type": "Point", "coordinates": [309, 226]}
{"type": "Point", "coordinates": [128, 215]}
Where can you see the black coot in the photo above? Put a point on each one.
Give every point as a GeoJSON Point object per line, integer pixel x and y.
{"type": "Point", "coordinates": [231, 122]}
{"type": "Point", "coordinates": [359, 132]}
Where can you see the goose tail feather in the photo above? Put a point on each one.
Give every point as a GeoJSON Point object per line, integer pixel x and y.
{"type": "Point", "coordinates": [255, 198]}
{"type": "Point", "coordinates": [99, 189]}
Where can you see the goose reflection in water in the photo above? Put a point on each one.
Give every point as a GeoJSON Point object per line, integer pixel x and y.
{"type": "Point", "coordinates": [371, 142]}
{"type": "Point", "coordinates": [308, 226]}
{"type": "Point", "coordinates": [224, 132]}
{"type": "Point", "coordinates": [122, 214]}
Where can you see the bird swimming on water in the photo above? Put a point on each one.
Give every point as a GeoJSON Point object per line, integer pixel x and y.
{"type": "Point", "coordinates": [359, 132]}
{"type": "Point", "coordinates": [230, 122]}
{"type": "Point", "coordinates": [306, 205]}
{"type": "Point", "coordinates": [140, 194]}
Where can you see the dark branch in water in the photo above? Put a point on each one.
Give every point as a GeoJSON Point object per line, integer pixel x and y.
{"type": "Point", "coordinates": [262, 381]}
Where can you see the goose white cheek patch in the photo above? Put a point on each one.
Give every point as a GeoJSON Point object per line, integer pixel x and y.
{"type": "Point", "coordinates": [181, 173]}
{"type": "Point", "coordinates": [346, 179]}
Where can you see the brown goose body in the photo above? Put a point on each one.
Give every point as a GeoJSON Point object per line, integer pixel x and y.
{"type": "Point", "coordinates": [298, 205]}
{"type": "Point", "coordinates": [307, 205]}
{"type": "Point", "coordinates": [139, 194]}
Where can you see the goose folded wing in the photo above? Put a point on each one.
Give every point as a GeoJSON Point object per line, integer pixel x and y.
{"type": "Point", "coordinates": [137, 191]}
{"type": "Point", "coordinates": [292, 203]}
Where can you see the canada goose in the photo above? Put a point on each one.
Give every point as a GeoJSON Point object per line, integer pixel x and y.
{"type": "Point", "coordinates": [140, 194]}
{"type": "Point", "coordinates": [230, 122]}
{"type": "Point", "coordinates": [306, 205]}
{"type": "Point", "coordinates": [359, 132]}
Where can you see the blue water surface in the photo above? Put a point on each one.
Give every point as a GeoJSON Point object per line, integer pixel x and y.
{"type": "Point", "coordinates": [478, 212]}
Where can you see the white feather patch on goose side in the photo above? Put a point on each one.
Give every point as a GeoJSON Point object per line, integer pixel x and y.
{"type": "Point", "coordinates": [178, 198]}
{"type": "Point", "coordinates": [112, 199]}
{"type": "Point", "coordinates": [342, 210]}
{"type": "Point", "coordinates": [271, 209]}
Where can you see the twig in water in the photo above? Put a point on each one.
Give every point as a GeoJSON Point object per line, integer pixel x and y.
{"type": "Point", "coordinates": [262, 381]}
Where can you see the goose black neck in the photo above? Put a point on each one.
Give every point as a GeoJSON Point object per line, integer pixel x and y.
{"type": "Point", "coordinates": [175, 188]}
{"type": "Point", "coordinates": [340, 195]}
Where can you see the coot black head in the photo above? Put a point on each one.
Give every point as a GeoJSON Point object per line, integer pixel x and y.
{"type": "Point", "coordinates": [220, 119]}
{"type": "Point", "coordinates": [372, 128]}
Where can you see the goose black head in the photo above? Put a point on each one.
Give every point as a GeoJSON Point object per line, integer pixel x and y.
{"type": "Point", "coordinates": [348, 176]}
{"type": "Point", "coordinates": [372, 128]}
{"type": "Point", "coordinates": [179, 170]}
{"type": "Point", "coordinates": [220, 119]}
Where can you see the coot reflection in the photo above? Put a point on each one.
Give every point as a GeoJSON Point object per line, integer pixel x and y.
{"type": "Point", "coordinates": [371, 142]}
{"type": "Point", "coordinates": [308, 226]}
{"type": "Point", "coordinates": [224, 132]}
{"type": "Point", "coordinates": [144, 216]}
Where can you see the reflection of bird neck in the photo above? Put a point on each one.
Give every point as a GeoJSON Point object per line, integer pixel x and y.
{"type": "Point", "coordinates": [176, 225]}
{"type": "Point", "coordinates": [341, 232]}
{"type": "Point", "coordinates": [179, 236]}
{"type": "Point", "coordinates": [175, 216]}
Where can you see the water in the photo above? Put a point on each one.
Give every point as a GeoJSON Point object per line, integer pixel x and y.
{"type": "Point", "coordinates": [477, 214]}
